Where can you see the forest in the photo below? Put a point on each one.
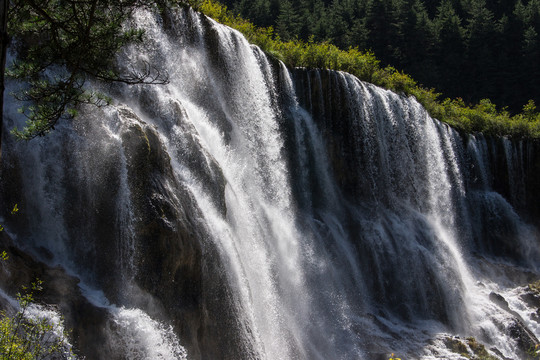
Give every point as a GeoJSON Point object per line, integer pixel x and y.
{"type": "Point", "coordinates": [468, 116]}
{"type": "Point", "coordinates": [470, 65]}
{"type": "Point", "coordinates": [256, 191]}
{"type": "Point", "coordinates": [471, 49]}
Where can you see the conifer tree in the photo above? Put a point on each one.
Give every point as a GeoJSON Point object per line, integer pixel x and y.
{"type": "Point", "coordinates": [480, 38]}
{"type": "Point", "coordinates": [419, 42]}
{"type": "Point", "coordinates": [4, 39]}
{"type": "Point", "coordinates": [449, 51]}
{"type": "Point", "coordinates": [288, 22]}
{"type": "Point", "coordinates": [60, 45]}
{"type": "Point", "coordinates": [445, 44]}
{"type": "Point", "coordinates": [378, 20]}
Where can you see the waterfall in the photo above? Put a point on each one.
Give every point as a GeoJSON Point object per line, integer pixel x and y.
{"type": "Point", "coordinates": [249, 211]}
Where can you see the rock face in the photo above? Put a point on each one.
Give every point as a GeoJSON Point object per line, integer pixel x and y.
{"type": "Point", "coordinates": [60, 290]}
{"type": "Point", "coordinates": [171, 248]}
{"type": "Point", "coordinates": [130, 259]}
{"type": "Point", "coordinates": [515, 168]}
{"type": "Point", "coordinates": [516, 327]}
{"type": "Point", "coordinates": [358, 133]}
{"type": "Point", "coordinates": [247, 211]}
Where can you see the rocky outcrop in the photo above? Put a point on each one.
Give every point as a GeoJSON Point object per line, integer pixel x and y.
{"type": "Point", "coordinates": [515, 327]}
{"type": "Point", "coordinates": [173, 248]}
{"type": "Point", "coordinates": [370, 134]}
{"type": "Point", "coordinates": [83, 321]}
{"type": "Point", "coordinates": [157, 257]}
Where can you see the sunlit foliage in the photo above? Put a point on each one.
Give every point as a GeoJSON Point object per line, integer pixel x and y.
{"type": "Point", "coordinates": [482, 117]}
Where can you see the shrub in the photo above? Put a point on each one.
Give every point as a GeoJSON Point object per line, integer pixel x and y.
{"type": "Point", "coordinates": [482, 117]}
{"type": "Point", "coordinates": [31, 334]}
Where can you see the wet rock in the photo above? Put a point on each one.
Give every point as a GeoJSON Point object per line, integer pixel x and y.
{"type": "Point", "coordinates": [532, 299]}
{"type": "Point", "coordinates": [499, 300]}
{"type": "Point", "coordinates": [172, 248]}
{"type": "Point", "coordinates": [524, 338]}
{"type": "Point", "coordinates": [457, 346]}
{"type": "Point", "coordinates": [83, 321]}
{"type": "Point", "coordinates": [499, 354]}
{"type": "Point", "coordinates": [515, 328]}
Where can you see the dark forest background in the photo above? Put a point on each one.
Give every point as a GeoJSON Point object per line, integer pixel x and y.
{"type": "Point", "coordinates": [472, 49]}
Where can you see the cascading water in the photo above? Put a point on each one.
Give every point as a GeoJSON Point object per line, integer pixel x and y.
{"type": "Point", "coordinates": [248, 211]}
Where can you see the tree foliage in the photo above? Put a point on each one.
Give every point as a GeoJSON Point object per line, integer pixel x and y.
{"type": "Point", "coordinates": [472, 49]}
{"type": "Point", "coordinates": [483, 117]}
{"type": "Point", "coordinates": [59, 45]}
{"type": "Point", "coordinates": [25, 336]}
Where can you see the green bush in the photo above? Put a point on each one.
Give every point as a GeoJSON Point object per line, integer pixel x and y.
{"type": "Point", "coordinates": [25, 337]}
{"type": "Point", "coordinates": [482, 117]}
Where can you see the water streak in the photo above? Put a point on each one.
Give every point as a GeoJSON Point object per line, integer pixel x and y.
{"type": "Point", "coordinates": [331, 219]}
